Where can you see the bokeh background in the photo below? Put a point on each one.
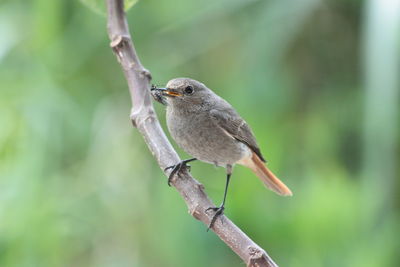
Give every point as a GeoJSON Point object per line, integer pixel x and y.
{"type": "Point", "coordinates": [317, 80]}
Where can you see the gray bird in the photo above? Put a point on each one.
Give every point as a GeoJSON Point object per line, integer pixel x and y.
{"type": "Point", "coordinates": [208, 128]}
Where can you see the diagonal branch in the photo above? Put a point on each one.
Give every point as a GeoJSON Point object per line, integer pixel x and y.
{"type": "Point", "coordinates": [144, 118]}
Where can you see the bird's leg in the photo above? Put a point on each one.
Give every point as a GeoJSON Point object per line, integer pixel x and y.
{"type": "Point", "coordinates": [177, 168]}
{"type": "Point", "coordinates": [220, 210]}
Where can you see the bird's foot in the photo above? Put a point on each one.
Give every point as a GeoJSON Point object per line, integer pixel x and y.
{"type": "Point", "coordinates": [177, 168]}
{"type": "Point", "coordinates": [218, 211]}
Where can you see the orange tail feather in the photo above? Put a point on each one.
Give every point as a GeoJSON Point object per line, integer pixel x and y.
{"type": "Point", "coordinates": [265, 175]}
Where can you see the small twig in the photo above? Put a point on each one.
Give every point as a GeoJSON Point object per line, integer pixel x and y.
{"type": "Point", "coordinates": [144, 118]}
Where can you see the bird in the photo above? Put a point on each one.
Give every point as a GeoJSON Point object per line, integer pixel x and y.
{"type": "Point", "coordinates": [209, 129]}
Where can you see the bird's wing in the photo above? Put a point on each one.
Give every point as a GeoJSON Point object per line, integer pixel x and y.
{"type": "Point", "coordinates": [227, 119]}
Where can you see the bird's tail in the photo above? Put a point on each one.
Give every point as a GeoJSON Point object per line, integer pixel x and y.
{"type": "Point", "coordinates": [265, 175]}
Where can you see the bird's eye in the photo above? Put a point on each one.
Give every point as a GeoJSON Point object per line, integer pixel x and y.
{"type": "Point", "coordinates": [189, 90]}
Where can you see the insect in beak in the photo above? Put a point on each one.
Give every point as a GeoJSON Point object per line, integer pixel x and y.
{"type": "Point", "coordinates": [166, 91]}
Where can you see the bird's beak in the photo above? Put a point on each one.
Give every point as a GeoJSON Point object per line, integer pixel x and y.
{"type": "Point", "coordinates": [167, 91]}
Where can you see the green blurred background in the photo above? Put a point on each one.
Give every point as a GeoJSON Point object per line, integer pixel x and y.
{"type": "Point", "coordinates": [317, 80]}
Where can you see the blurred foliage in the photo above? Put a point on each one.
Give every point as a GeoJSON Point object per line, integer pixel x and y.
{"type": "Point", "coordinates": [78, 186]}
{"type": "Point", "coordinates": [99, 6]}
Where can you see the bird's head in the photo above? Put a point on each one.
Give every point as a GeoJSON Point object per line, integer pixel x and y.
{"type": "Point", "coordinates": [182, 93]}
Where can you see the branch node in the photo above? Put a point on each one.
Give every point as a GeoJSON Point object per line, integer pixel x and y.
{"type": "Point", "coordinates": [118, 40]}
{"type": "Point", "coordinates": [147, 74]}
{"type": "Point", "coordinates": [117, 44]}
{"type": "Point", "coordinates": [195, 212]}
{"type": "Point", "coordinates": [258, 258]}
{"type": "Point", "coordinates": [142, 115]}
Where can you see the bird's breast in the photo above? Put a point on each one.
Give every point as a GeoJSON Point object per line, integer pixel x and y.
{"type": "Point", "coordinates": [199, 136]}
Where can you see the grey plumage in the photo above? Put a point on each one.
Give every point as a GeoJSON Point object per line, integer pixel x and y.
{"type": "Point", "coordinates": [208, 128]}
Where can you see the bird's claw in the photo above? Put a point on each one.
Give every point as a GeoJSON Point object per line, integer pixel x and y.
{"type": "Point", "coordinates": [177, 168]}
{"type": "Point", "coordinates": [218, 211]}
{"type": "Point", "coordinates": [188, 167]}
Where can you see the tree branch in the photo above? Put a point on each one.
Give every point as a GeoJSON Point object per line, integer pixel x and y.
{"type": "Point", "coordinates": [144, 118]}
